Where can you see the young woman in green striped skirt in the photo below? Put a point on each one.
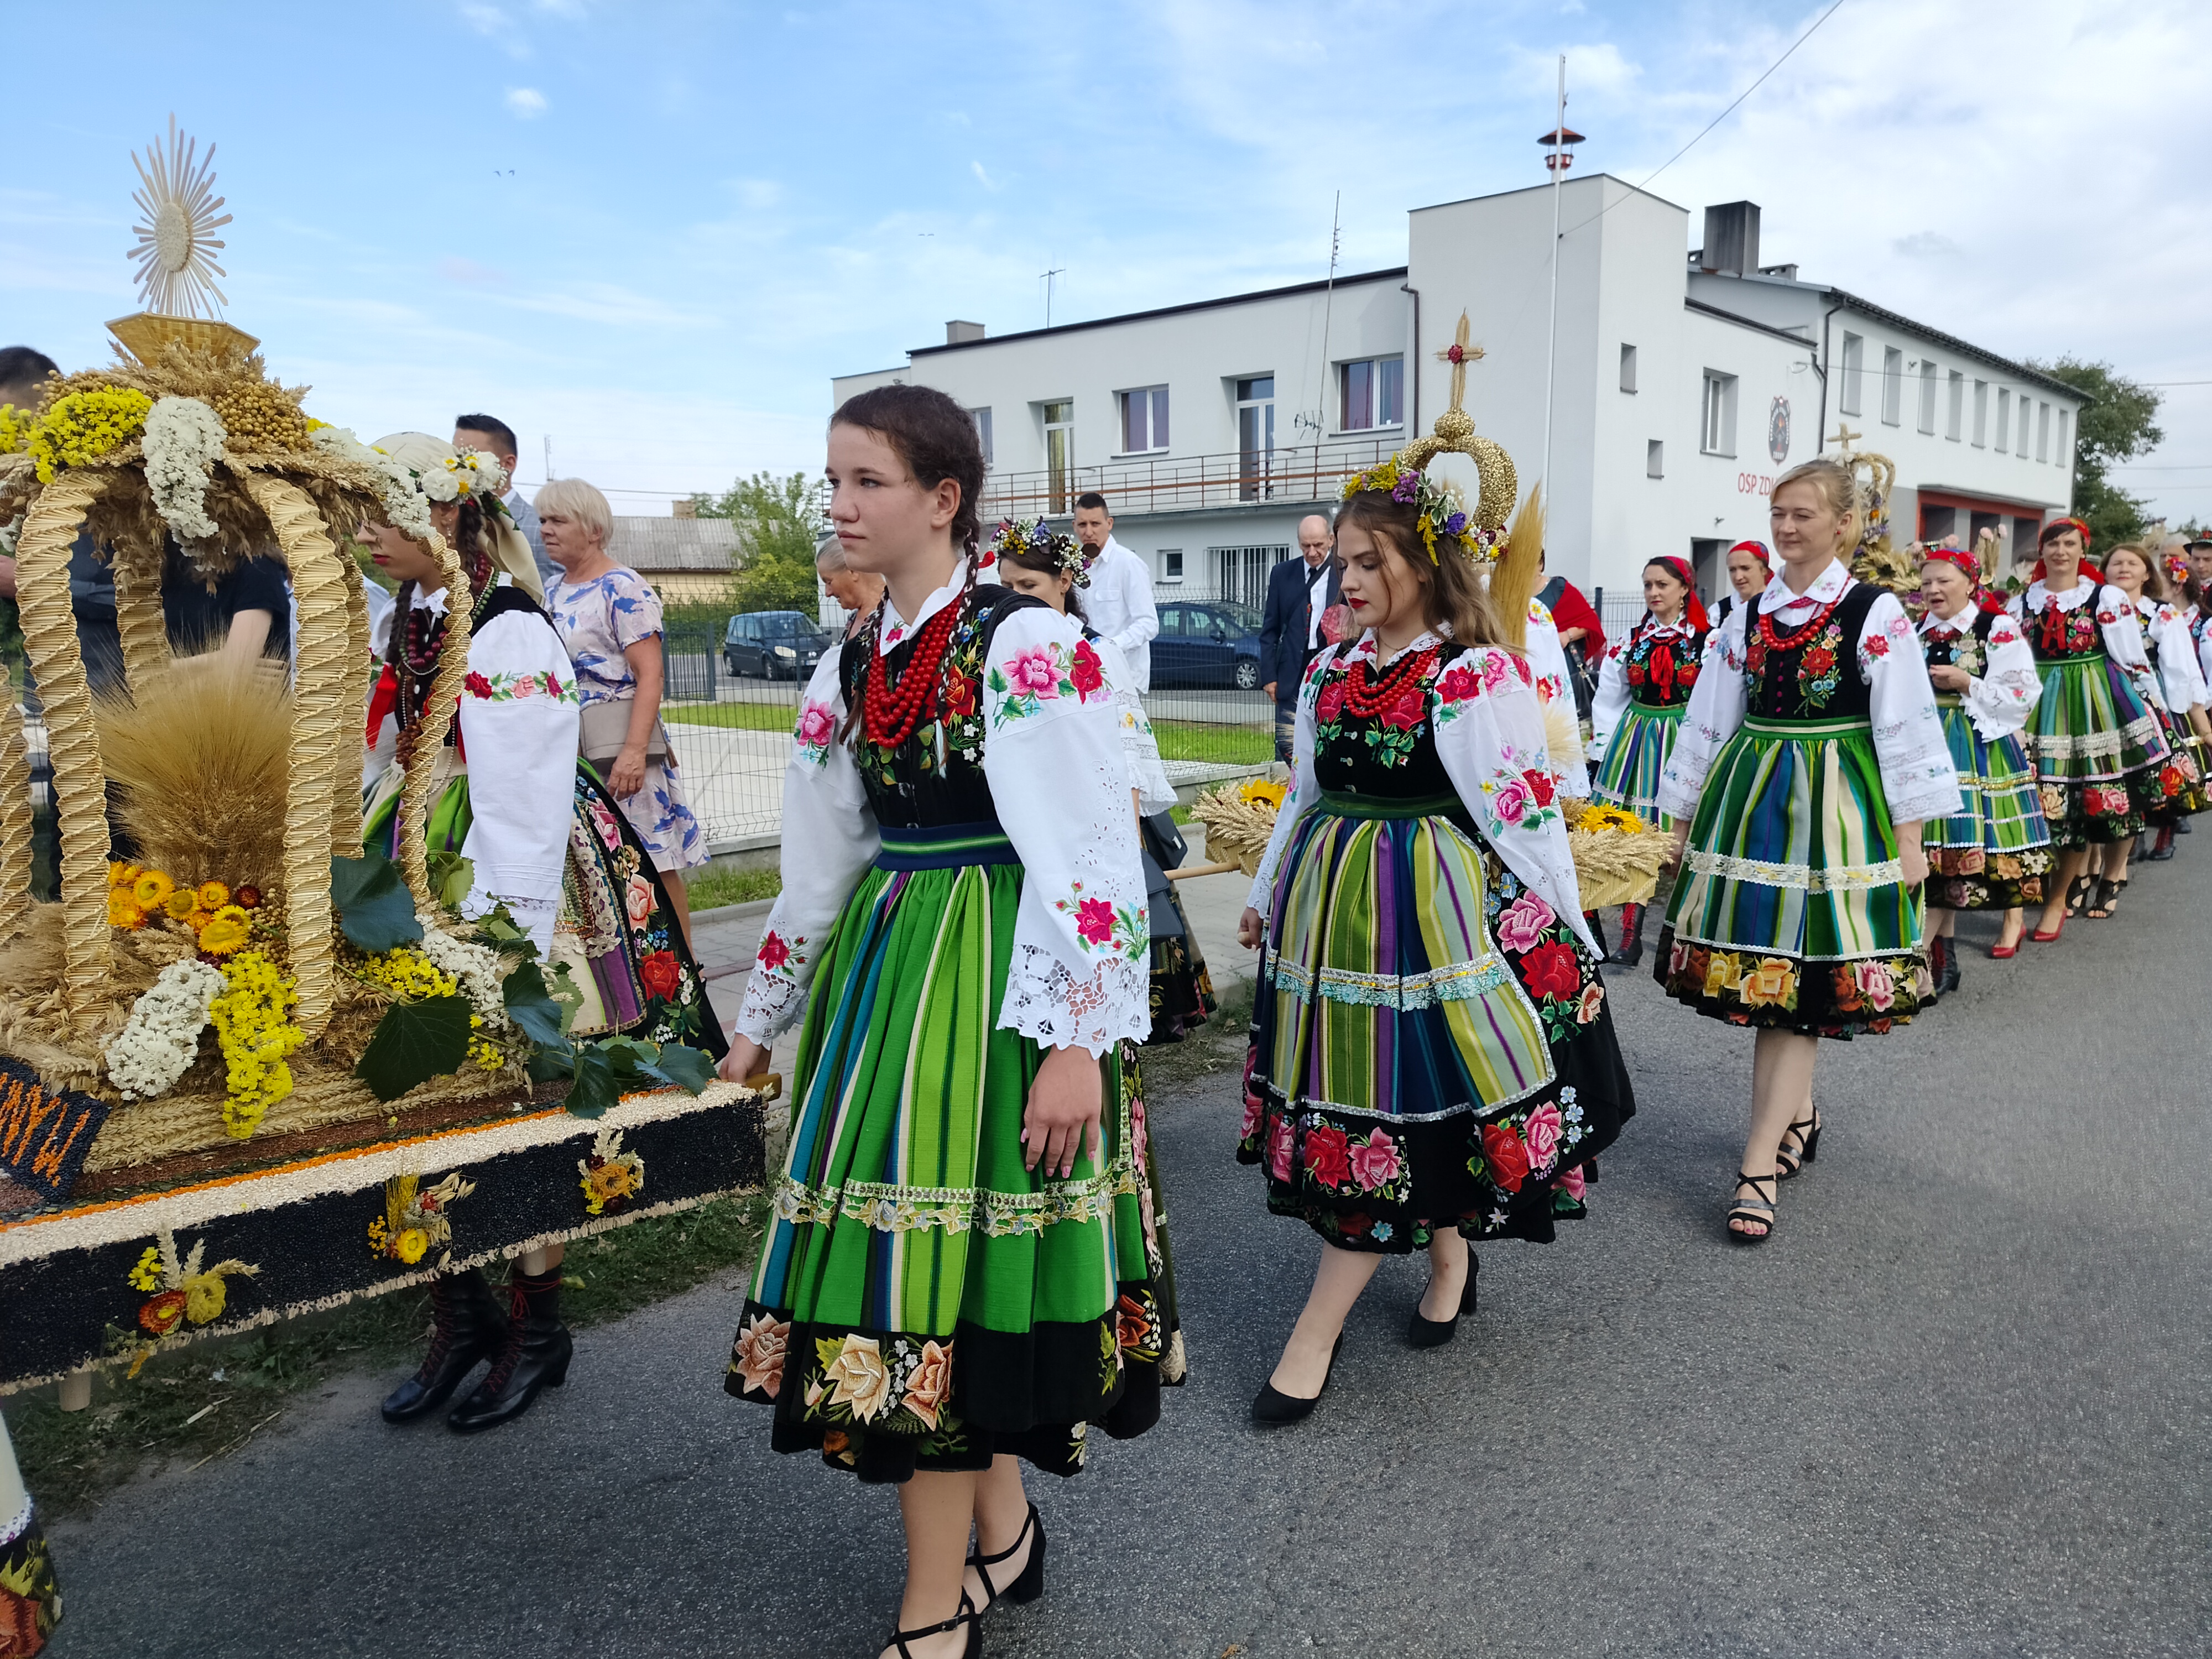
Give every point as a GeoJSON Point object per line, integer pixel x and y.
{"type": "Point", "coordinates": [1433, 1060]}
{"type": "Point", "coordinates": [2176, 681]}
{"type": "Point", "coordinates": [1640, 693]}
{"type": "Point", "coordinates": [2099, 748]}
{"type": "Point", "coordinates": [1995, 852]}
{"type": "Point", "coordinates": [1811, 754]}
{"type": "Point", "coordinates": [963, 1265]}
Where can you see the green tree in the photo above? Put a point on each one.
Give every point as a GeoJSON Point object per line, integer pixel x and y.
{"type": "Point", "coordinates": [2119, 423]}
{"type": "Point", "coordinates": [778, 528]}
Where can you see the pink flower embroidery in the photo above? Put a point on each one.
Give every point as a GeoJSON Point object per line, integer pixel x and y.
{"type": "Point", "coordinates": [638, 899]}
{"type": "Point", "coordinates": [1876, 984]}
{"type": "Point", "coordinates": [1574, 1183]}
{"type": "Point", "coordinates": [817, 726]}
{"type": "Point", "coordinates": [929, 1385]}
{"type": "Point", "coordinates": [1524, 923]}
{"type": "Point", "coordinates": [1034, 670]}
{"type": "Point", "coordinates": [1541, 1134]}
{"type": "Point", "coordinates": [1094, 921]}
{"type": "Point", "coordinates": [760, 1354]}
{"type": "Point", "coordinates": [1375, 1162]}
{"type": "Point", "coordinates": [1592, 1001]}
{"type": "Point", "coordinates": [526, 685]}
{"type": "Point", "coordinates": [1511, 800]}
{"type": "Point", "coordinates": [1497, 670]}
{"type": "Point", "coordinates": [1282, 1143]}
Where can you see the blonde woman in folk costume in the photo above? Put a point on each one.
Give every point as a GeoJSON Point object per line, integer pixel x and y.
{"type": "Point", "coordinates": [2176, 681]}
{"type": "Point", "coordinates": [1995, 852]}
{"type": "Point", "coordinates": [2096, 740]}
{"type": "Point", "coordinates": [958, 1267]}
{"type": "Point", "coordinates": [1811, 754]}
{"type": "Point", "coordinates": [1432, 1060]}
{"type": "Point", "coordinates": [1640, 693]}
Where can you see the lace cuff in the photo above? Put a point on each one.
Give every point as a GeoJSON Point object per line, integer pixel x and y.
{"type": "Point", "coordinates": [1050, 1007]}
{"type": "Point", "coordinates": [771, 1002]}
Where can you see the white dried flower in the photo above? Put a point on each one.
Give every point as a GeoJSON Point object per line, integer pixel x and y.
{"type": "Point", "coordinates": [159, 1041]}
{"type": "Point", "coordinates": [476, 967]}
{"type": "Point", "coordinates": [183, 442]}
{"type": "Point", "coordinates": [405, 506]}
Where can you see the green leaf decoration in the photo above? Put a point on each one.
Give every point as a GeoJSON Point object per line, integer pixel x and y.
{"type": "Point", "coordinates": [594, 1088]}
{"type": "Point", "coordinates": [414, 1043]}
{"type": "Point", "coordinates": [452, 875]}
{"type": "Point", "coordinates": [562, 989]}
{"type": "Point", "coordinates": [375, 910]}
{"type": "Point", "coordinates": [533, 1008]}
{"type": "Point", "coordinates": [689, 1069]}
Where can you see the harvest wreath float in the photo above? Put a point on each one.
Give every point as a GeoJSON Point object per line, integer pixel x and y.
{"type": "Point", "coordinates": [257, 1059]}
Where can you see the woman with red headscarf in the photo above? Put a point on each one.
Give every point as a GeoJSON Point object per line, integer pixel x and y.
{"type": "Point", "coordinates": [2098, 745]}
{"type": "Point", "coordinates": [1994, 854]}
{"type": "Point", "coordinates": [1641, 695]}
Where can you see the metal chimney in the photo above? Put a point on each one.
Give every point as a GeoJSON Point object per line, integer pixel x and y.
{"type": "Point", "coordinates": [1731, 239]}
{"type": "Point", "coordinates": [958, 333]}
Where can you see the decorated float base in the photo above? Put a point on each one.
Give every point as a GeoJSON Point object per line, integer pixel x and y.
{"type": "Point", "coordinates": [111, 1281]}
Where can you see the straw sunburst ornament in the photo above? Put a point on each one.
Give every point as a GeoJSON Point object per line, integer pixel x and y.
{"type": "Point", "coordinates": [174, 246]}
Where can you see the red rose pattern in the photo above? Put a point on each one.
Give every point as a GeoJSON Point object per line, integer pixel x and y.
{"type": "Point", "coordinates": [1330, 704]}
{"type": "Point", "coordinates": [660, 975]}
{"type": "Point", "coordinates": [774, 952]}
{"type": "Point", "coordinates": [960, 696]}
{"type": "Point", "coordinates": [1085, 674]}
{"type": "Point", "coordinates": [1550, 970]}
{"type": "Point", "coordinates": [1507, 1158]}
{"type": "Point", "coordinates": [1540, 784]}
{"type": "Point", "coordinates": [1458, 685]}
{"type": "Point", "coordinates": [1328, 1156]}
{"type": "Point", "coordinates": [476, 685]}
{"type": "Point", "coordinates": [1094, 921]}
{"type": "Point", "coordinates": [1406, 713]}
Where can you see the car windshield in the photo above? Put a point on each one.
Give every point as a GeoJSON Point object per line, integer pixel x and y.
{"type": "Point", "coordinates": [789, 628]}
{"type": "Point", "coordinates": [1238, 618]}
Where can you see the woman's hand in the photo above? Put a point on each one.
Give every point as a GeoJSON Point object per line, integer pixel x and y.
{"type": "Point", "coordinates": [1251, 928]}
{"type": "Point", "coordinates": [627, 776]}
{"type": "Point", "coordinates": [1911, 859]}
{"type": "Point", "coordinates": [1062, 1117]}
{"type": "Point", "coordinates": [1950, 678]}
{"type": "Point", "coordinates": [1681, 841]}
{"type": "Point", "coordinates": [746, 1059]}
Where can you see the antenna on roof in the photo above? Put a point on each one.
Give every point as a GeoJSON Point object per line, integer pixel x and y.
{"type": "Point", "coordinates": [1316, 421]}
{"type": "Point", "coordinates": [1057, 270]}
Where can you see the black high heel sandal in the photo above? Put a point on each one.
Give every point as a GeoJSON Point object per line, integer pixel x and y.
{"type": "Point", "coordinates": [1793, 1160]}
{"type": "Point", "coordinates": [1425, 1333]}
{"type": "Point", "coordinates": [967, 1616]}
{"type": "Point", "coordinates": [2101, 908]}
{"type": "Point", "coordinates": [1759, 1210]}
{"type": "Point", "coordinates": [1275, 1409]}
{"type": "Point", "coordinates": [1029, 1583]}
{"type": "Point", "coordinates": [2077, 894]}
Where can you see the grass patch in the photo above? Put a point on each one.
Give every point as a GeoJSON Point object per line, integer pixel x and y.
{"type": "Point", "coordinates": [735, 716]}
{"type": "Point", "coordinates": [208, 1401]}
{"type": "Point", "coordinates": [710, 888]}
{"type": "Point", "coordinates": [1220, 745]}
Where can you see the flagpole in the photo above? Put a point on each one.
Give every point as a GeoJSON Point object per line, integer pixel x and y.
{"type": "Point", "coordinates": [1552, 350]}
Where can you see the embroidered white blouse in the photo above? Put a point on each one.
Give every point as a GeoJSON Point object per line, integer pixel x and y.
{"type": "Point", "coordinates": [1999, 700]}
{"type": "Point", "coordinates": [1059, 774]}
{"type": "Point", "coordinates": [1547, 660]}
{"type": "Point", "coordinates": [2181, 676]}
{"type": "Point", "coordinates": [1611, 701]}
{"type": "Point", "coordinates": [519, 719]}
{"type": "Point", "coordinates": [1148, 773]}
{"type": "Point", "coordinates": [1917, 779]}
{"type": "Point", "coordinates": [1489, 728]}
{"type": "Point", "coordinates": [2116, 618]}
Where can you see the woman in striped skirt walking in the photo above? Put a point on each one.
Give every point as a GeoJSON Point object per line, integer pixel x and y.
{"type": "Point", "coordinates": [1810, 757]}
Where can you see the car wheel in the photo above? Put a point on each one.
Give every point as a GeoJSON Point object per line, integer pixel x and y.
{"type": "Point", "coordinates": [1248, 674]}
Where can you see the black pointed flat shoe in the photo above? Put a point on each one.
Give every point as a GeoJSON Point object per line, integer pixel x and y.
{"type": "Point", "coordinates": [1425, 1333]}
{"type": "Point", "coordinates": [1275, 1409]}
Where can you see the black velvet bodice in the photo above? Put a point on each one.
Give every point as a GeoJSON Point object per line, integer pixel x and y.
{"type": "Point", "coordinates": [1811, 672]}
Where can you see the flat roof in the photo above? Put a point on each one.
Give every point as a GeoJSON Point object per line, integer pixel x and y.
{"type": "Point", "coordinates": [2049, 382]}
{"type": "Point", "coordinates": [1523, 189]}
{"type": "Point", "coordinates": [1165, 311]}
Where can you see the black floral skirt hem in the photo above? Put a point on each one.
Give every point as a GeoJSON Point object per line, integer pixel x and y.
{"type": "Point", "coordinates": [30, 1594]}
{"type": "Point", "coordinates": [1969, 878]}
{"type": "Point", "coordinates": [1769, 991]}
{"type": "Point", "coordinates": [886, 1405]}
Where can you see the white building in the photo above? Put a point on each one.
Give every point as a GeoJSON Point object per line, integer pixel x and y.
{"type": "Point", "coordinates": [1680, 393]}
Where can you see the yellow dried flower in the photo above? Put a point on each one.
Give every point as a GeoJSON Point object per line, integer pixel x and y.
{"type": "Point", "coordinates": [123, 875]}
{"type": "Point", "coordinates": [181, 904]}
{"type": "Point", "coordinates": [411, 1245]}
{"type": "Point", "coordinates": [227, 930]}
{"type": "Point", "coordinates": [86, 425]}
{"type": "Point", "coordinates": [152, 890]}
{"type": "Point", "coordinates": [203, 1298]}
{"type": "Point", "coordinates": [147, 1275]}
{"type": "Point", "coordinates": [256, 1038]}
{"type": "Point", "coordinates": [122, 910]}
{"type": "Point", "coordinates": [214, 895]}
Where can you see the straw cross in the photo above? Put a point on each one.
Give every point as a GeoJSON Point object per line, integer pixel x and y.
{"type": "Point", "coordinates": [1845, 437]}
{"type": "Point", "coordinates": [1459, 354]}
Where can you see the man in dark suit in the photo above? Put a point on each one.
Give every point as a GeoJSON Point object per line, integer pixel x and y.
{"type": "Point", "coordinates": [1299, 591]}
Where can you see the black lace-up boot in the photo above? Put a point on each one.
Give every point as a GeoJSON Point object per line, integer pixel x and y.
{"type": "Point", "coordinates": [468, 1328]}
{"type": "Point", "coordinates": [536, 1356]}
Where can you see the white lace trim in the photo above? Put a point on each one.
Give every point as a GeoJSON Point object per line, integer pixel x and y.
{"type": "Point", "coordinates": [1846, 878]}
{"type": "Point", "coordinates": [772, 1003]}
{"type": "Point", "coordinates": [1046, 1004]}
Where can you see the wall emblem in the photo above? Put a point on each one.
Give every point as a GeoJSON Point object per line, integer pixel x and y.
{"type": "Point", "coordinates": [1777, 430]}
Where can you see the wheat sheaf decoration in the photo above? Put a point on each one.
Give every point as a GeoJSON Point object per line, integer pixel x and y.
{"type": "Point", "coordinates": [174, 249]}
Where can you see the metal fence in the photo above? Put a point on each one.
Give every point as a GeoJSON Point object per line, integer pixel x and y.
{"type": "Point", "coordinates": [731, 732]}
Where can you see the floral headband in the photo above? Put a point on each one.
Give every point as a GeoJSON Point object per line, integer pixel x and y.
{"type": "Point", "coordinates": [1444, 522]}
{"type": "Point", "coordinates": [1033, 538]}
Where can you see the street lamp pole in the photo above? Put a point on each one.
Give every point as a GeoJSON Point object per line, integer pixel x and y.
{"type": "Point", "coordinates": [1552, 350]}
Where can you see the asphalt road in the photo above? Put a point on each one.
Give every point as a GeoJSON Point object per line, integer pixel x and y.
{"type": "Point", "coordinates": [1959, 1406]}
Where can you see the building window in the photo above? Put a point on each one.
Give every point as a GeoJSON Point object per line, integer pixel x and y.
{"type": "Point", "coordinates": [1981, 413]}
{"type": "Point", "coordinates": [1059, 450]}
{"type": "Point", "coordinates": [1372, 393]}
{"type": "Point", "coordinates": [1143, 420]}
{"type": "Point", "coordinates": [983, 431]}
{"type": "Point", "coordinates": [1628, 368]}
{"type": "Point", "coordinates": [2043, 432]}
{"type": "Point", "coordinates": [2020, 448]}
{"type": "Point", "coordinates": [1655, 459]}
{"type": "Point", "coordinates": [2004, 420]}
{"type": "Point", "coordinates": [1928, 397]}
{"type": "Point", "coordinates": [1954, 417]}
{"type": "Point", "coordinates": [1717, 428]}
{"type": "Point", "coordinates": [1171, 564]}
{"type": "Point", "coordinates": [1256, 437]}
{"type": "Point", "coordinates": [2064, 455]}
{"type": "Point", "coordinates": [1892, 386]}
{"type": "Point", "coordinates": [1849, 400]}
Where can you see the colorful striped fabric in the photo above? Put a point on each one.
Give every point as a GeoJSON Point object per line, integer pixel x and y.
{"type": "Point", "coordinates": [2098, 751]}
{"type": "Point", "coordinates": [1993, 853]}
{"type": "Point", "coordinates": [1636, 759]}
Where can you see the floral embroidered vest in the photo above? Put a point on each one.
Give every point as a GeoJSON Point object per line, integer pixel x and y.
{"type": "Point", "coordinates": [1661, 667]}
{"type": "Point", "coordinates": [1390, 755]}
{"type": "Point", "coordinates": [936, 776]}
{"type": "Point", "coordinates": [1965, 647]}
{"type": "Point", "coordinates": [1813, 672]}
{"type": "Point", "coordinates": [2057, 635]}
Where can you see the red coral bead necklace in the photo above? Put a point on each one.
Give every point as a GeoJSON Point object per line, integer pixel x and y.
{"type": "Point", "coordinates": [890, 714]}
{"type": "Point", "coordinates": [1369, 699]}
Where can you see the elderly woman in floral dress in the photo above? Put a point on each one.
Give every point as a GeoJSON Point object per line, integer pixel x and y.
{"type": "Point", "coordinates": [610, 620]}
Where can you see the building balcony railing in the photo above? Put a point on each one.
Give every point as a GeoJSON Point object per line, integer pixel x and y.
{"type": "Point", "coordinates": [1281, 478]}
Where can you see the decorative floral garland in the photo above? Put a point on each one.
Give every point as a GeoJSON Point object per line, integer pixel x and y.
{"type": "Point", "coordinates": [611, 1176]}
{"type": "Point", "coordinates": [404, 504]}
{"type": "Point", "coordinates": [1027, 538]}
{"type": "Point", "coordinates": [219, 920]}
{"type": "Point", "coordinates": [415, 1222]}
{"type": "Point", "coordinates": [256, 1038]}
{"type": "Point", "coordinates": [411, 973]}
{"type": "Point", "coordinates": [84, 426]}
{"type": "Point", "coordinates": [161, 1038]}
{"type": "Point", "coordinates": [185, 439]}
{"type": "Point", "coordinates": [182, 1288]}
{"type": "Point", "coordinates": [1442, 517]}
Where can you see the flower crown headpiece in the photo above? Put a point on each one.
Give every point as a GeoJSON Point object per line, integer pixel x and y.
{"type": "Point", "coordinates": [1030, 537]}
{"type": "Point", "coordinates": [1444, 523]}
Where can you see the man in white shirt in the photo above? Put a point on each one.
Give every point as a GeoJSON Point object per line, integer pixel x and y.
{"type": "Point", "coordinates": [1118, 601]}
{"type": "Point", "coordinates": [495, 438]}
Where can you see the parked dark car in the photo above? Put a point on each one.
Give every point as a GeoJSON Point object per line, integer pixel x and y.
{"type": "Point", "coordinates": [774, 644]}
{"type": "Point", "coordinates": [1215, 643]}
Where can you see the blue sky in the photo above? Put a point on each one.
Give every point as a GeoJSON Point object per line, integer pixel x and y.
{"type": "Point", "coordinates": [653, 232]}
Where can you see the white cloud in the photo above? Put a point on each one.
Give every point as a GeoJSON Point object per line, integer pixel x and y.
{"type": "Point", "coordinates": [1927, 245]}
{"type": "Point", "coordinates": [485, 20]}
{"type": "Point", "coordinates": [571, 9]}
{"type": "Point", "coordinates": [758, 194]}
{"type": "Point", "coordinates": [527, 102]}
{"type": "Point", "coordinates": [988, 182]}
